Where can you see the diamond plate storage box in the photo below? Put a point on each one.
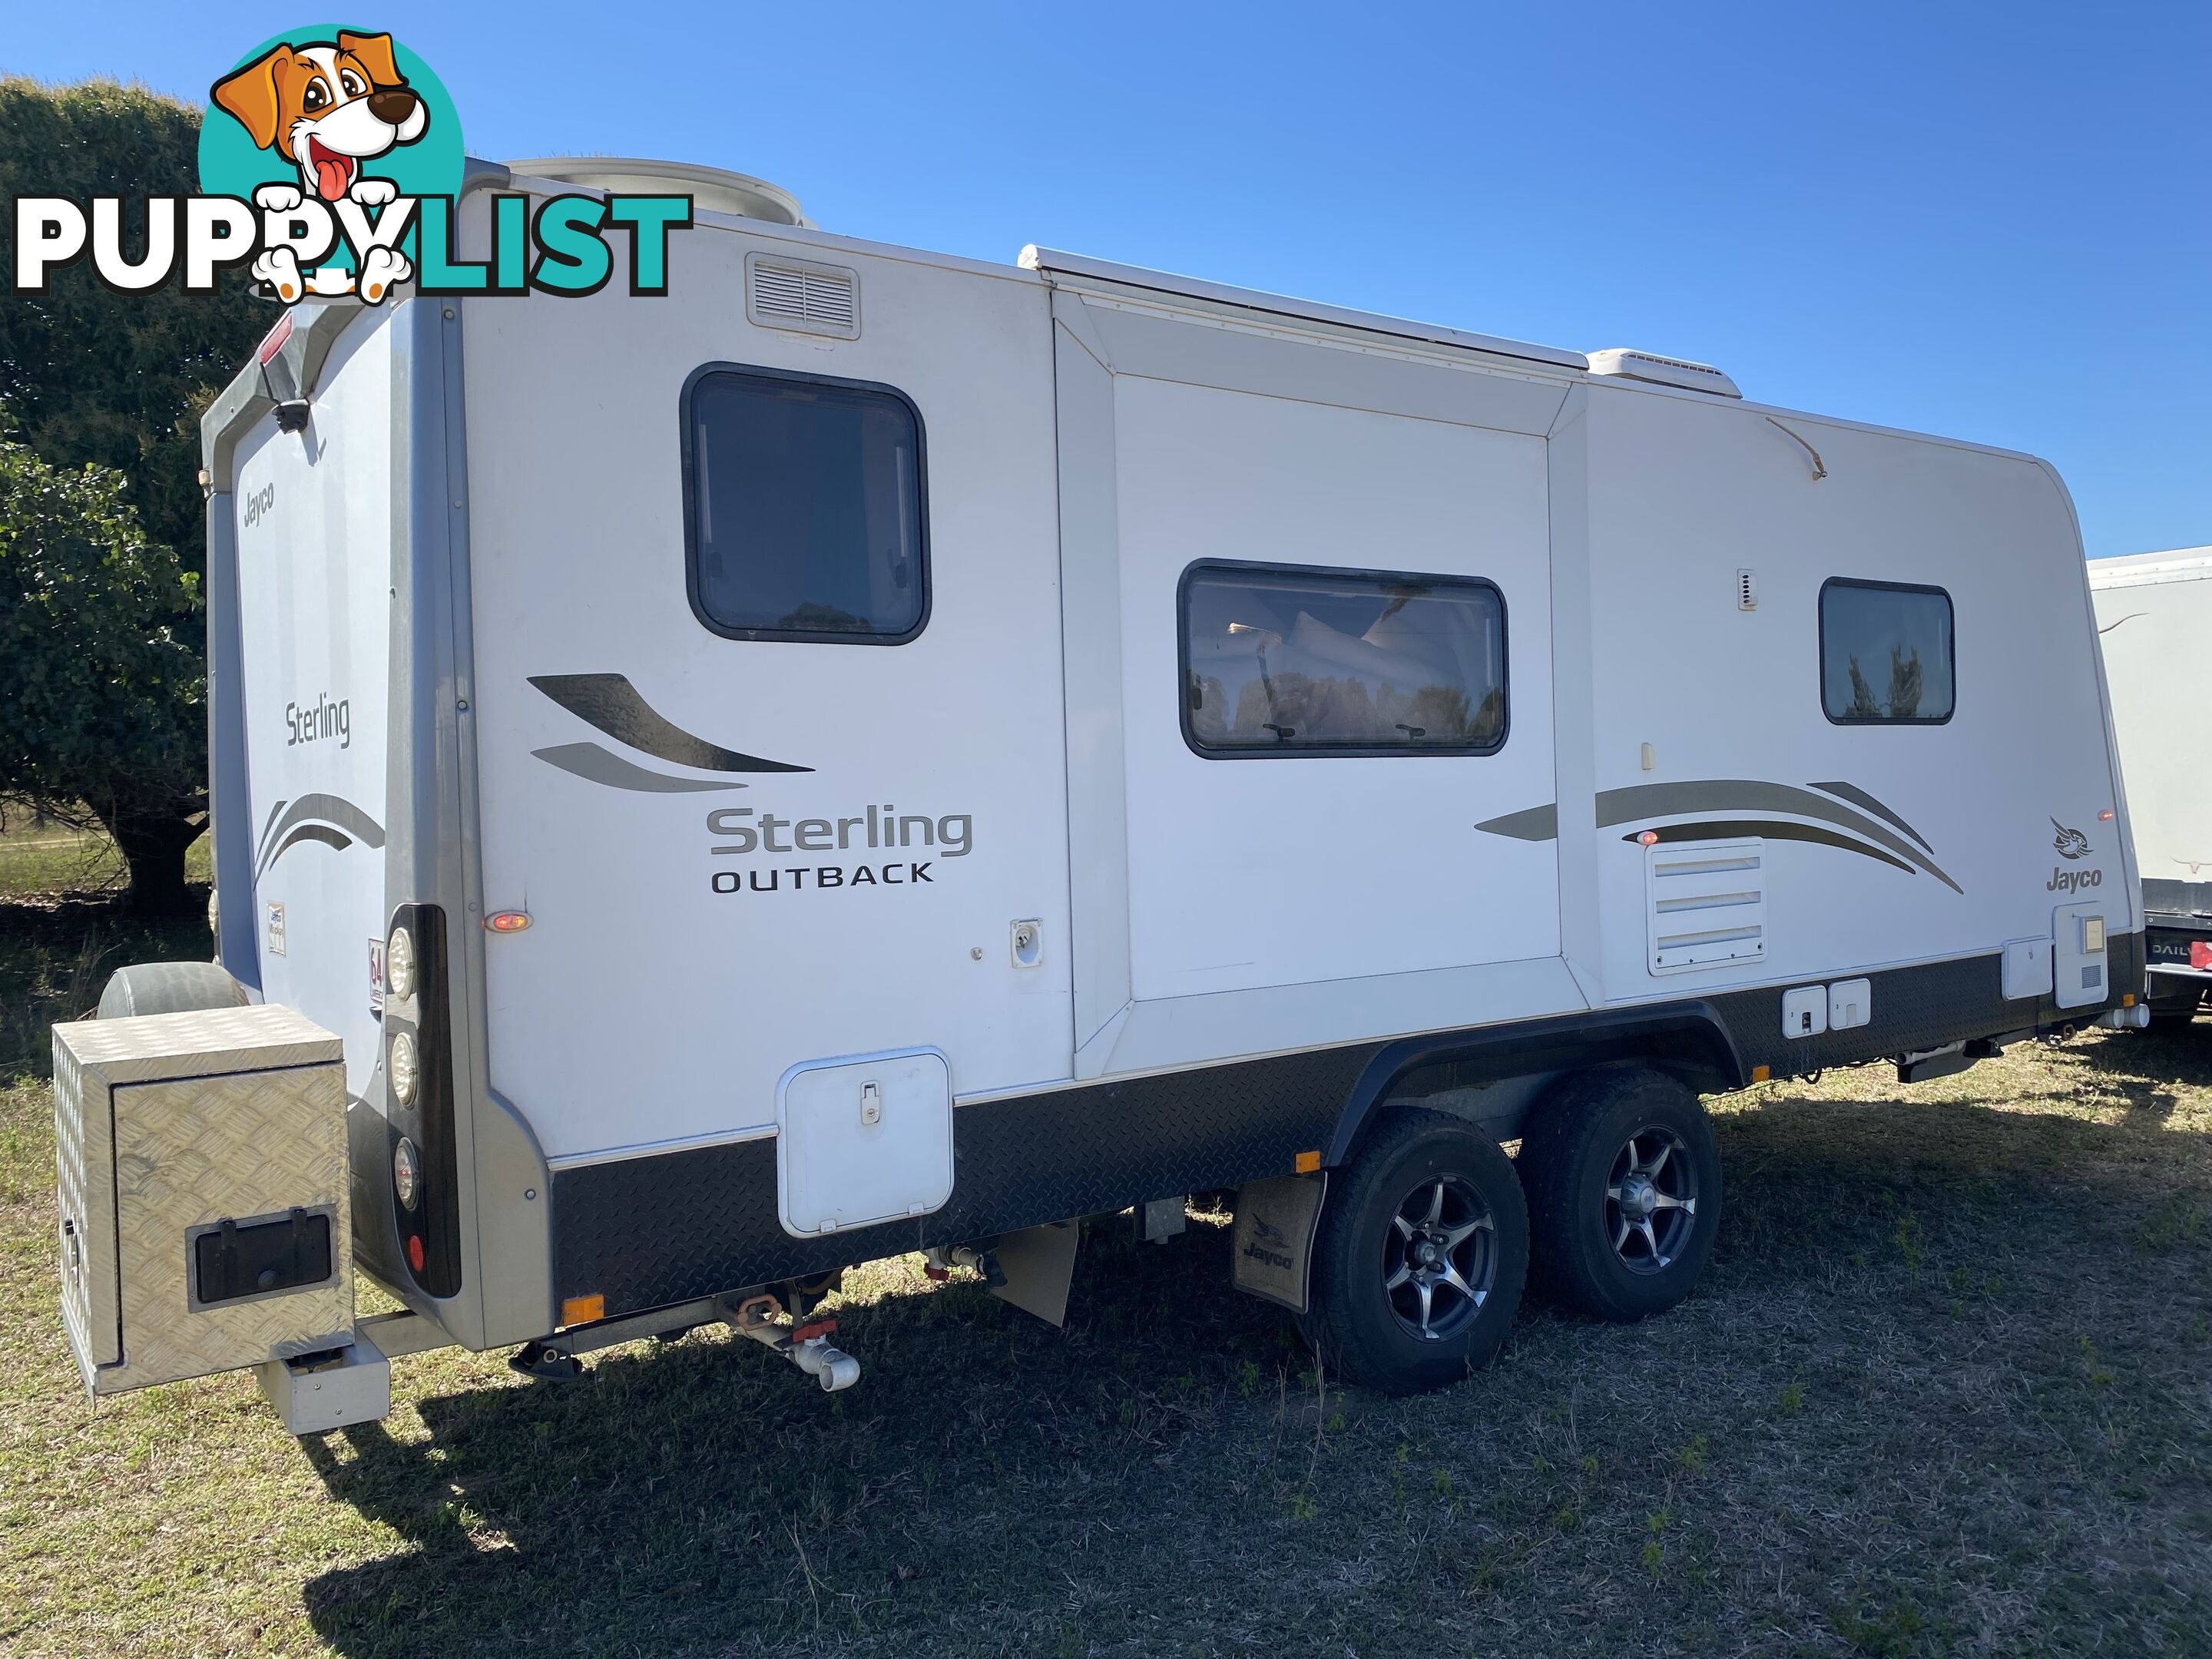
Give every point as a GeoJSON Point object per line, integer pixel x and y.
{"type": "Point", "coordinates": [202, 1167]}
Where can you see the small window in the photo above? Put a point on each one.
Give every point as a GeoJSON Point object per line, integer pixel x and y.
{"type": "Point", "coordinates": [1278, 660]}
{"type": "Point", "coordinates": [1885, 653]}
{"type": "Point", "coordinates": [804, 509]}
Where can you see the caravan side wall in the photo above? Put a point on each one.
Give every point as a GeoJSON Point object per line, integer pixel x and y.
{"type": "Point", "coordinates": [694, 931]}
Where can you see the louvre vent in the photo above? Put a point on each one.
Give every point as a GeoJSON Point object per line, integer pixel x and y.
{"type": "Point", "coordinates": [810, 298]}
{"type": "Point", "coordinates": [1707, 902]}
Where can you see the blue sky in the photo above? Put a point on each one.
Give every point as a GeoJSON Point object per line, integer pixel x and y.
{"type": "Point", "coordinates": [1985, 221]}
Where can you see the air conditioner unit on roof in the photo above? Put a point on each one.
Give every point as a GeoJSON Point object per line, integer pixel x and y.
{"type": "Point", "coordinates": [1662, 371]}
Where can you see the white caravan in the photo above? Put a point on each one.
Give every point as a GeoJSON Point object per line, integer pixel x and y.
{"type": "Point", "coordinates": [875, 751]}
{"type": "Point", "coordinates": [2154, 613]}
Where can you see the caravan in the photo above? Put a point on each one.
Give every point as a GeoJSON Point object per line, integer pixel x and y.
{"type": "Point", "coordinates": [874, 751]}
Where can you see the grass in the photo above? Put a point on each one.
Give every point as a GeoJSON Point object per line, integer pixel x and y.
{"type": "Point", "coordinates": [1943, 1391]}
{"type": "Point", "coordinates": [40, 860]}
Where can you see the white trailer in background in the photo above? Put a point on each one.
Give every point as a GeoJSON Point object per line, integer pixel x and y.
{"type": "Point", "coordinates": [875, 751]}
{"type": "Point", "coordinates": [2154, 614]}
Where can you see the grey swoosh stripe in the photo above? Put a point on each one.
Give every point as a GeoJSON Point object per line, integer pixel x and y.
{"type": "Point", "coordinates": [267, 831]}
{"type": "Point", "coordinates": [321, 832]}
{"type": "Point", "coordinates": [1531, 823]}
{"type": "Point", "coordinates": [1859, 797]}
{"type": "Point", "coordinates": [1645, 800]}
{"type": "Point", "coordinates": [612, 704]}
{"type": "Point", "coordinates": [1771, 829]}
{"type": "Point", "coordinates": [330, 809]}
{"type": "Point", "coordinates": [590, 761]}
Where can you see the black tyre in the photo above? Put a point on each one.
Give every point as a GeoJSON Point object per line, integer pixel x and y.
{"type": "Point", "coordinates": [1624, 1183]}
{"type": "Point", "coordinates": [1421, 1256]}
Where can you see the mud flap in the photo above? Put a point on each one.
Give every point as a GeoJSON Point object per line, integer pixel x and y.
{"type": "Point", "coordinates": [1273, 1240]}
{"type": "Point", "coordinates": [1039, 1263]}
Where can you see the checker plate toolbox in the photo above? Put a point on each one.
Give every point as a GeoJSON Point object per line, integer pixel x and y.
{"type": "Point", "coordinates": [201, 1166]}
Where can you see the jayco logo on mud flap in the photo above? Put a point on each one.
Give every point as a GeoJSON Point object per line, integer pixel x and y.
{"type": "Point", "coordinates": [292, 132]}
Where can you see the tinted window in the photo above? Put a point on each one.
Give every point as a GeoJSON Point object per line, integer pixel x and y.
{"type": "Point", "coordinates": [1884, 652]}
{"type": "Point", "coordinates": [806, 509]}
{"type": "Point", "coordinates": [1283, 661]}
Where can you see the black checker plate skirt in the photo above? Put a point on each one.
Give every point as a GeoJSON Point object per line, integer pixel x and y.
{"type": "Point", "coordinates": [646, 1231]}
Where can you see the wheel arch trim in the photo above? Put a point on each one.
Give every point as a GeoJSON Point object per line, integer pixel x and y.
{"type": "Point", "coordinates": [1688, 1041]}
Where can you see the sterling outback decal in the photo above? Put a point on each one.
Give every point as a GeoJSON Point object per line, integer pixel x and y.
{"type": "Point", "coordinates": [612, 705]}
{"type": "Point", "coordinates": [757, 834]}
{"type": "Point", "coordinates": [1642, 803]}
{"type": "Point", "coordinates": [331, 819]}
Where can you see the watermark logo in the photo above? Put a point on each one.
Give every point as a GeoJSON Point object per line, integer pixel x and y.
{"type": "Point", "coordinates": [331, 164]}
{"type": "Point", "coordinates": [336, 137]}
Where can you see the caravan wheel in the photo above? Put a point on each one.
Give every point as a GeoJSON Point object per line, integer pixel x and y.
{"type": "Point", "coordinates": [1423, 1251]}
{"type": "Point", "coordinates": [1623, 1182]}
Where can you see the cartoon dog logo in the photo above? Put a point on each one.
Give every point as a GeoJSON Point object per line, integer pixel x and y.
{"type": "Point", "coordinates": [327, 108]}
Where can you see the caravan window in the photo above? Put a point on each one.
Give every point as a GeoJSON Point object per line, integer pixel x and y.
{"type": "Point", "coordinates": [1885, 653]}
{"type": "Point", "coordinates": [804, 508]}
{"type": "Point", "coordinates": [1278, 660]}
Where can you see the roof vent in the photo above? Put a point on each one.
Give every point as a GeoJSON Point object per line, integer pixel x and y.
{"type": "Point", "coordinates": [711, 190]}
{"type": "Point", "coordinates": [799, 294]}
{"type": "Point", "coordinates": [1662, 371]}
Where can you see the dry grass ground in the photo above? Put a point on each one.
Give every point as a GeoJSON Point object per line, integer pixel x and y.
{"type": "Point", "coordinates": [1947, 1390]}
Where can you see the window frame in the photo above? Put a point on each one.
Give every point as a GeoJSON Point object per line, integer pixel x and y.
{"type": "Point", "coordinates": [1203, 568]}
{"type": "Point", "coordinates": [686, 405]}
{"type": "Point", "coordinates": [1950, 650]}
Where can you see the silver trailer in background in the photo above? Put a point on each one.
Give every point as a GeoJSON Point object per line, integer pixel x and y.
{"type": "Point", "coordinates": [2154, 614]}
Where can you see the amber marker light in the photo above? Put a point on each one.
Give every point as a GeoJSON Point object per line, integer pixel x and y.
{"type": "Point", "coordinates": [1308, 1162]}
{"type": "Point", "coordinates": [583, 1309]}
{"type": "Point", "coordinates": [2104, 817]}
{"type": "Point", "coordinates": [1649, 838]}
{"type": "Point", "coordinates": [506, 921]}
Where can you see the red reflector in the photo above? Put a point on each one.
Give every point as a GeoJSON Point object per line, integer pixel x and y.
{"type": "Point", "coordinates": [415, 1252]}
{"type": "Point", "coordinates": [506, 921]}
{"type": "Point", "coordinates": [273, 341]}
{"type": "Point", "coordinates": [2200, 955]}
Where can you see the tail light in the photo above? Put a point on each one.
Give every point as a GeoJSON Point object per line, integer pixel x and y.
{"type": "Point", "coordinates": [418, 1075]}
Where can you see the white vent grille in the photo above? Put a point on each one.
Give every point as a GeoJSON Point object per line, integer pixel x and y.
{"type": "Point", "coordinates": [812, 298]}
{"type": "Point", "coordinates": [1707, 902]}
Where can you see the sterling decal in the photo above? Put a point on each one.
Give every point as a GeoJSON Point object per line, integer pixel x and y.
{"type": "Point", "coordinates": [766, 839]}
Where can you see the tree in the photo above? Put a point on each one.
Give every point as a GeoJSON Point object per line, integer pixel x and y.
{"type": "Point", "coordinates": [106, 706]}
{"type": "Point", "coordinates": [115, 380]}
